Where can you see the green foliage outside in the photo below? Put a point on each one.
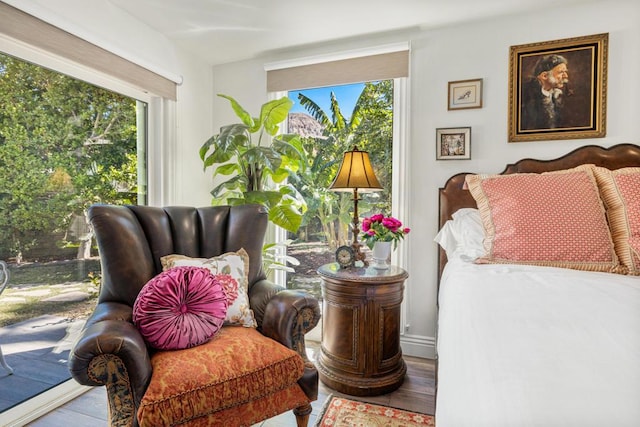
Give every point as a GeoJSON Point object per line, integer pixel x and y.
{"type": "Point", "coordinates": [370, 128]}
{"type": "Point", "coordinates": [64, 144]}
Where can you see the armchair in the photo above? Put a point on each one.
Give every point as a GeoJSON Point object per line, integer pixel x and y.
{"type": "Point", "coordinates": [148, 387]}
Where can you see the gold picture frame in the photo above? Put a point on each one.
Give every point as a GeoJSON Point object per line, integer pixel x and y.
{"type": "Point", "coordinates": [453, 143]}
{"type": "Point", "coordinates": [465, 94]}
{"type": "Point", "coordinates": [558, 89]}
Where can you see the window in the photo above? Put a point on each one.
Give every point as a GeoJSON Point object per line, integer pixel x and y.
{"type": "Point", "coordinates": [389, 64]}
{"type": "Point", "coordinates": [64, 145]}
{"type": "Point", "coordinates": [332, 120]}
{"type": "Point", "coordinates": [386, 63]}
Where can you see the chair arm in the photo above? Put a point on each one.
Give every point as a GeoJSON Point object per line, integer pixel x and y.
{"type": "Point", "coordinates": [110, 351]}
{"type": "Point", "coordinates": [289, 315]}
{"type": "Point", "coordinates": [260, 294]}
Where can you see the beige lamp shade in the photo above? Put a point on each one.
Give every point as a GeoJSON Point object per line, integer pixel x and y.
{"type": "Point", "coordinates": [355, 172]}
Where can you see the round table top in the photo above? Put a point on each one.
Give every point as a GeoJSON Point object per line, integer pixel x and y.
{"type": "Point", "coordinates": [362, 274]}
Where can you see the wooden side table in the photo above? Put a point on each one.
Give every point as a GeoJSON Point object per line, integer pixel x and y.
{"type": "Point", "coordinates": [360, 353]}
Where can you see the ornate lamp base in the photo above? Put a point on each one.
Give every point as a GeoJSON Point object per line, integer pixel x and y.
{"type": "Point", "coordinates": [360, 256]}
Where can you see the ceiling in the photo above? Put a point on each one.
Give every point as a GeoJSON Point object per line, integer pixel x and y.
{"type": "Point", "coordinates": [221, 31]}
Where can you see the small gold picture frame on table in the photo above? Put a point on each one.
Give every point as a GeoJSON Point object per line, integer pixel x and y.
{"type": "Point", "coordinates": [453, 143]}
{"type": "Point", "coordinates": [465, 94]}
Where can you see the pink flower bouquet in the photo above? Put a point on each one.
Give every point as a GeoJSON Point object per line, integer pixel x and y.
{"type": "Point", "coordinates": [378, 228]}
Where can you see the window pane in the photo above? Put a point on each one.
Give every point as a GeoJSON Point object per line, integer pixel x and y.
{"type": "Point", "coordinates": [64, 145]}
{"type": "Point", "coordinates": [331, 121]}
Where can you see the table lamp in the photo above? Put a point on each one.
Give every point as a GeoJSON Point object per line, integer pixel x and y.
{"type": "Point", "coordinates": [356, 174]}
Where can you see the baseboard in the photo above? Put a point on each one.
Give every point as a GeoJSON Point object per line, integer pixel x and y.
{"type": "Point", "coordinates": [418, 346]}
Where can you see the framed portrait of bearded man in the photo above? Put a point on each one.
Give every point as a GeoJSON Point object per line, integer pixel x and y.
{"type": "Point", "coordinates": [558, 89]}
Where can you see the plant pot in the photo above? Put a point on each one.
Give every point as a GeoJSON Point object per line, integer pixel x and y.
{"type": "Point", "coordinates": [381, 254]}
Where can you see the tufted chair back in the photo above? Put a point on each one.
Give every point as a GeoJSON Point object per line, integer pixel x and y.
{"type": "Point", "coordinates": [132, 239]}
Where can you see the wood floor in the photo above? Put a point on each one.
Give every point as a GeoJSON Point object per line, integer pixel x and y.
{"type": "Point", "coordinates": [417, 393]}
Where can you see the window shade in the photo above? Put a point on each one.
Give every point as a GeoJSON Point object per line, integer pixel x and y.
{"type": "Point", "coordinates": [353, 70]}
{"type": "Point", "coordinates": [40, 34]}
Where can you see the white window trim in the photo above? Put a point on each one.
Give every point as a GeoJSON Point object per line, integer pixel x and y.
{"type": "Point", "coordinates": [400, 180]}
{"type": "Point", "coordinates": [42, 404]}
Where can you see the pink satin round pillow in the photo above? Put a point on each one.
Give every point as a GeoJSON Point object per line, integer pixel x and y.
{"type": "Point", "coordinates": [180, 308]}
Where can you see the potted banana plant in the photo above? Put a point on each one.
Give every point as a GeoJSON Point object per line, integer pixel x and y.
{"type": "Point", "coordinates": [252, 163]}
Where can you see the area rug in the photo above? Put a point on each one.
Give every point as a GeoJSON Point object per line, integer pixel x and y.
{"type": "Point", "coordinates": [341, 412]}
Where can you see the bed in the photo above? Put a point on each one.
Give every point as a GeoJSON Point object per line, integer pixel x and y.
{"type": "Point", "coordinates": [539, 342]}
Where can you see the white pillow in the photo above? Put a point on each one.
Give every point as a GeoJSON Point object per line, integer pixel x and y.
{"type": "Point", "coordinates": [462, 237]}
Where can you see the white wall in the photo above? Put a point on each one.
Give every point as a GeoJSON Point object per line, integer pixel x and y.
{"type": "Point", "coordinates": [194, 109]}
{"type": "Point", "coordinates": [478, 50]}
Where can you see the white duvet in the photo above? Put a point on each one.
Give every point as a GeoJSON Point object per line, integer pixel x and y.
{"type": "Point", "coordinates": [536, 346]}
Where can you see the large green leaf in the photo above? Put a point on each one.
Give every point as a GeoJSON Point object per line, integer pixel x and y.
{"type": "Point", "coordinates": [287, 147]}
{"type": "Point", "coordinates": [286, 215]}
{"type": "Point", "coordinates": [240, 112]}
{"type": "Point", "coordinates": [227, 169]}
{"type": "Point", "coordinates": [279, 175]}
{"type": "Point", "coordinates": [294, 140]}
{"type": "Point", "coordinates": [235, 134]}
{"type": "Point", "coordinates": [292, 195]}
{"type": "Point", "coordinates": [238, 182]}
{"type": "Point", "coordinates": [315, 111]}
{"type": "Point", "coordinates": [217, 157]}
{"type": "Point", "coordinates": [205, 147]}
{"type": "Point", "coordinates": [266, 156]}
{"type": "Point", "coordinates": [273, 113]}
{"type": "Point", "coordinates": [266, 198]}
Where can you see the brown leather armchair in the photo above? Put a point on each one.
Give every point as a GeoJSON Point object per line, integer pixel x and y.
{"type": "Point", "coordinates": [111, 352]}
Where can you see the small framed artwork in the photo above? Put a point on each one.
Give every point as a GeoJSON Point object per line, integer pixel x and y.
{"type": "Point", "coordinates": [465, 94]}
{"type": "Point", "coordinates": [453, 143]}
{"type": "Point", "coordinates": [558, 89]}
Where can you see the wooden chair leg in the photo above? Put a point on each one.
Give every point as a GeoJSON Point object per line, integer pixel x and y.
{"type": "Point", "coordinates": [302, 415]}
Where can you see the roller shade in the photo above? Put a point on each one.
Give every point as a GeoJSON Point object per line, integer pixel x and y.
{"type": "Point", "coordinates": [353, 70]}
{"type": "Point", "coordinates": [40, 34]}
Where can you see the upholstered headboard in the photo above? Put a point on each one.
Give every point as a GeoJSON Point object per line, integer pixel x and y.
{"type": "Point", "coordinates": [453, 196]}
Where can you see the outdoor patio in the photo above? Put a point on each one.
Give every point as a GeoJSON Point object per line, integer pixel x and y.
{"type": "Point", "coordinates": [37, 350]}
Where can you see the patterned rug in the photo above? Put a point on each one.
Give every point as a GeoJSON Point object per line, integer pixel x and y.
{"type": "Point", "coordinates": [341, 412]}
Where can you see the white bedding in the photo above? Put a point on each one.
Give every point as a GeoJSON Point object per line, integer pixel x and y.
{"type": "Point", "coordinates": [537, 346]}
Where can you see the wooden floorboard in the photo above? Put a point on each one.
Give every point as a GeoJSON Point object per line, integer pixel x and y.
{"type": "Point", "coordinates": [417, 394]}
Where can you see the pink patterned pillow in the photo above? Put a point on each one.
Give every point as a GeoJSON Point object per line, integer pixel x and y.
{"type": "Point", "coordinates": [553, 219]}
{"type": "Point", "coordinates": [620, 190]}
{"type": "Point", "coordinates": [180, 308]}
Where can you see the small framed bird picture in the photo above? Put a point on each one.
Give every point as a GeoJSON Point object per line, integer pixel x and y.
{"type": "Point", "coordinates": [464, 94]}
